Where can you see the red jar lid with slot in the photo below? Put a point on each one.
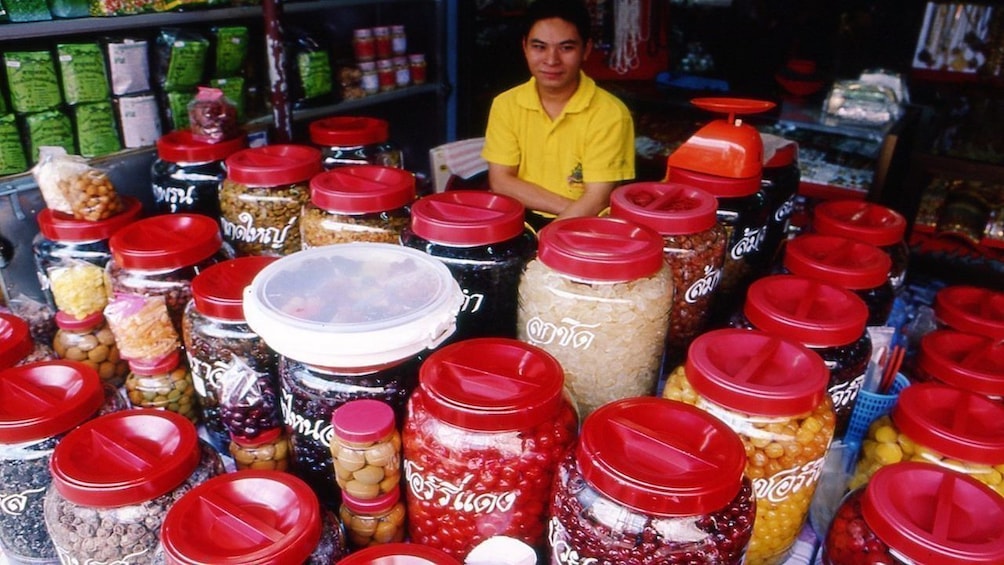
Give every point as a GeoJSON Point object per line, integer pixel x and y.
{"type": "Point", "coordinates": [859, 220]}
{"type": "Point", "coordinates": [967, 361]}
{"type": "Point", "coordinates": [363, 420]}
{"type": "Point", "coordinates": [845, 262]}
{"type": "Point", "coordinates": [632, 451]}
{"type": "Point", "coordinates": [59, 226]}
{"type": "Point", "coordinates": [15, 339]}
{"type": "Point", "coordinates": [381, 503]}
{"type": "Point", "coordinates": [166, 242]}
{"type": "Point", "coordinates": [70, 322]}
{"type": "Point", "coordinates": [218, 291]}
{"type": "Point", "coordinates": [253, 516]}
{"type": "Point", "coordinates": [667, 207]}
{"type": "Point", "coordinates": [467, 217]}
{"type": "Point", "coordinates": [811, 312]}
{"type": "Point", "coordinates": [601, 249]}
{"type": "Point", "coordinates": [399, 553]}
{"type": "Point", "coordinates": [753, 372]}
{"type": "Point", "coordinates": [157, 366]}
{"type": "Point", "coordinates": [274, 165]}
{"type": "Point", "coordinates": [956, 423]}
{"type": "Point", "coordinates": [45, 399]}
{"type": "Point", "coordinates": [349, 131]}
{"type": "Point", "coordinates": [720, 187]}
{"type": "Point", "coordinates": [362, 189]}
{"type": "Point", "coordinates": [971, 309]}
{"type": "Point", "coordinates": [180, 146]}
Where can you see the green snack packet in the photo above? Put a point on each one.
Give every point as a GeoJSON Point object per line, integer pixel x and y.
{"type": "Point", "coordinates": [82, 67]}
{"type": "Point", "coordinates": [176, 109]}
{"type": "Point", "coordinates": [231, 50]}
{"type": "Point", "coordinates": [27, 10]}
{"type": "Point", "coordinates": [69, 8]}
{"type": "Point", "coordinates": [12, 159]}
{"type": "Point", "coordinates": [96, 128]}
{"type": "Point", "coordinates": [182, 58]}
{"type": "Point", "coordinates": [233, 89]}
{"type": "Point", "coordinates": [31, 78]}
{"type": "Point", "coordinates": [315, 73]}
{"type": "Point", "coordinates": [51, 127]}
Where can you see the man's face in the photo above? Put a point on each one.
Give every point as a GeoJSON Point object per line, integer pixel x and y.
{"type": "Point", "coordinates": [554, 53]}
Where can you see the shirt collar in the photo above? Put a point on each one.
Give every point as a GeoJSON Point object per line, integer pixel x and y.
{"type": "Point", "coordinates": [529, 98]}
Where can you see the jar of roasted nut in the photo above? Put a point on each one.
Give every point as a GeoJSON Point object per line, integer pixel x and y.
{"type": "Point", "coordinates": [373, 521]}
{"type": "Point", "coordinates": [263, 195]}
{"type": "Point", "coordinates": [971, 309]}
{"type": "Point", "coordinates": [498, 402]}
{"type": "Point", "coordinates": [355, 140]}
{"type": "Point", "coordinates": [916, 513]}
{"type": "Point", "coordinates": [963, 360]}
{"type": "Point", "coordinates": [481, 237]}
{"type": "Point", "coordinates": [694, 246]}
{"type": "Point", "coordinates": [871, 223]}
{"type": "Point", "coordinates": [366, 449]}
{"type": "Point", "coordinates": [91, 342]}
{"type": "Point", "coordinates": [165, 383]}
{"type": "Point", "coordinates": [772, 392]}
{"type": "Point", "coordinates": [614, 488]}
{"type": "Point", "coordinates": [269, 450]}
{"type": "Point", "coordinates": [598, 297]}
{"type": "Point", "coordinates": [781, 177]}
{"type": "Point", "coordinates": [17, 347]}
{"type": "Point", "coordinates": [187, 174]}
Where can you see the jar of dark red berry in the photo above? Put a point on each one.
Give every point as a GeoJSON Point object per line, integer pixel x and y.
{"type": "Point", "coordinates": [859, 267]}
{"type": "Point", "coordinates": [373, 521]}
{"type": "Point", "coordinates": [90, 341]}
{"type": "Point", "coordinates": [481, 237]}
{"type": "Point", "coordinates": [366, 449]}
{"type": "Point", "coordinates": [781, 177]}
{"type": "Point", "coordinates": [269, 450]}
{"type": "Point", "coordinates": [825, 318]}
{"type": "Point", "coordinates": [355, 140]}
{"type": "Point", "coordinates": [614, 488]}
{"type": "Point", "coordinates": [694, 246]}
{"type": "Point", "coordinates": [913, 513]}
{"type": "Point", "coordinates": [498, 402]}
{"type": "Point", "coordinates": [17, 347]}
{"type": "Point", "coordinates": [971, 309]}
{"type": "Point", "coordinates": [871, 223]}
{"type": "Point", "coordinates": [165, 383]}
{"type": "Point", "coordinates": [187, 173]}
{"type": "Point", "coordinates": [963, 360]}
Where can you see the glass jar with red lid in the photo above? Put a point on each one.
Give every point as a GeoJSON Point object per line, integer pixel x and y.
{"type": "Point", "coordinates": [401, 553]}
{"type": "Point", "coordinates": [164, 383]}
{"type": "Point", "coordinates": [615, 488]}
{"type": "Point", "coordinates": [485, 430]}
{"type": "Point", "coordinates": [269, 450]}
{"type": "Point", "coordinates": [115, 477]}
{"type": "Point", "coordinates": [598, 296]}
{"type": "Point", "coordinates": [90, 341]}
{"type": "Point", "coordinates": [366, 449]}
{"type": "Point", "coordinates": [482, 238]}
{"type": "Point", "coordinates": [17, 347]}
{"type": "Point", "coordinates": [187, 173]}
{"type": "Point", "coordinates": [355, 140]}
{"type": "Point", "coordinates": [971, 309]}
{"type": "Point", "coordinates": [357, 203]}
{"type": "Point", "coordinates": [963, 360]}
{"type": "Point", "coordinates": [374, 521]}
{"type": "Point", "coordinates": [770, 390]}
{"type": "Point", "coordinates": [781, 177]}
{"type": "Point", "coordinates": [912, 513]}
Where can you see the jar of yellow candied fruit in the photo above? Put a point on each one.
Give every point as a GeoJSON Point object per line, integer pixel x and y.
{"type": "Point", "coordinates": [772, 392]}
{"type": "Point", "coordinates": [938, 424]}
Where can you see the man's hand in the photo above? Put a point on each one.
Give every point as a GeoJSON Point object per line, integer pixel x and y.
{"type": "Point", "coordinates": [594, 200]}
{"type": "Point", "coordinates": [504, 180]}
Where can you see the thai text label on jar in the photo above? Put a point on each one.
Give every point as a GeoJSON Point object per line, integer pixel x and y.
{"type": "Point", "coordinates": [187, 174]}
{"type": "Point", "coordinates": [772, 392]}
{"type": "Point", "coordinates": [781, 177]}
{"type": "Point", "coordinates": [481, 237]}
{"type": "Point", "coordinates": [939, 424]}
{"type": "Point", "coordinates": [366, 449]}
{"type": "Point", "coordinates": [825, 318]}
{"type": "Point", "coordinates": [598, 297]}
{"type": "Point", "coordinates": [632, 474]}
{"type": "Point", "coordinates": [357, 203]}
{"type": "Point", "coordinates": [355, 140]}
{"type": "Point", "coordinates": [41, 402]}
{"type": "Point", "coordinates": [115, 477]}
{"type": "Point", "coordinates": [963, 360]}
{"type": "Point", "coordinates": [268, 450]}
{"type": "Point", "coordinates": [91, 342]}
{"type": "Point", "coordinates": [165, 383]}
{"type": "Point", "coordinates": [871, 223]}
{"type": "Point", "coordinates": [498, 402]}
{"type": "Point", "coordinates": [263, 195]}
{"type": "Point", "coordinates": [694, 246]}
{"type": "Point", "coordinates": [17, 347]}
{"type": "Point", "coordinates": [374, 521]}
{"type": "Point", "coordinates": [917, 513]}
{"type": "Point", "coordinates": [220, 346]}
{"type": "Point", "coordinates": [971, 309]}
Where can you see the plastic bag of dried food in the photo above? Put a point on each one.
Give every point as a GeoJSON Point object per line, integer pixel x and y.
{"type": "Point", "coordinates": [83, 73]}
{"type": "Point", "coordinates": [181, 59]}
{"type": "Point", "coordinates": [233, 89]}
{"type": "Point", "coordinates": [128, 65]}
{"type": "Point", "coordinates": [230, 49]}
{"type": "Point", "coordinates": [212, 117]}
{"type": "Point", "coordinates": [141, 325]}
{"type": "Point", "coordinates": [12, 158]}
{"type": "Point", "coordinates": [31, 80]}
{"type": "Point", "coordinates": [49, 128]}
{"type": "Point", "coordinates": [249, 403]}
{"type": "Point", "coordinates": [80, 288]}
{"type": "Point", "coordinates": [96, 129]}
{"type": "Point", "coordinates": [69, 184]}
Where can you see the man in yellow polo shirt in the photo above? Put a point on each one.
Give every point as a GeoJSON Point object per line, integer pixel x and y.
{"type": "Point", "coordinates": [558, 143]}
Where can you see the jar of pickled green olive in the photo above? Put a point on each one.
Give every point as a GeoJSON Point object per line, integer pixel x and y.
{"type": "Point", "coordinates": [357, 203]}
{"type": "Point", "coordinates": [870, 223]}
{"type": "Point", "coordinates": [366, 449]}
{"type": "Point", "coordinates": [165, 383]}
{"type": "Point", "coordinates": [373, 521]}
{"type": "Point", "coordinates": [971, 309]}
{"type": "Point", "coordinates": [269, 450]}
{"type": "Point", "coordinates": [91, 342]}
{"type": "Point", "coordinates": [963, 360]}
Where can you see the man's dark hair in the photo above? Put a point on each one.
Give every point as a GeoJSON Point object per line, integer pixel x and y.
{"type": "Point", "coordinates": [572, 11]}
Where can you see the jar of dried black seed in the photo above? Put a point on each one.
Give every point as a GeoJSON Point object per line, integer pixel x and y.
{"type": "Point", "coordinates": [355, 140]}
{"type": "Point", "coordinates": [165, 383]}
{"type": "Point", "coordinates": [187, 174]}
{"type": "Point", "coordinates": [871, 223]}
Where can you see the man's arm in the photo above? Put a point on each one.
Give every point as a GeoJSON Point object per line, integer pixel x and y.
{"type": "Point", "coordinates": [504, 180]}
{"type": "Point", "coordinates": [594, 200]}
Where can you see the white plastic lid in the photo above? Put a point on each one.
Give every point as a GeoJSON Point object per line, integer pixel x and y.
{"type": "Point", "coordinates": [353, 304]}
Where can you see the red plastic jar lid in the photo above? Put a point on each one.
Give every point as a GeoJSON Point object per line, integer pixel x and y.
{"type": "Point", "coordinates": [166, 242]}
{"type": "Point", "coordinates": [274, 165]}
{"type": "Point", "coordinates": [348, 131]}
{"type": "Point", "coordinates": [859, 220]}
{"type": "Point", "coordinates": [854, 265]}
{"type": "Point", "coordinates": [971, 309]}
{"type": "Point", "coordinates": [967, 361]}
{"type": "Point", "coordinates": [811, 312]}
{"type": "Point", "coordinates": [399, 553]}
{"type": "Point", "coordinates": [668, 208]}
{"type": "Point", "coordinates": [265, 437]}
{"type": "Point", "coordinates": [601, 249]}
{"type": "Point", "coordinates": [632, 451]}
{"type": "Point", "coordinates": [467, 217]}
{"type": "Point", "coordinates": [59, 226]}
{"type": "Point", "coordinates": [382, 503]}
{"type": "Point", "coordinates": [15, 339]}
{"type": "Point", "coordinates": [125, 458]}
{"type": "Point", "coordinates": [45, 399]}
{"type": "Point", "coordinates": [248, 518]}
{"type": "Point", "coordinates": [492, 384]}
{"type": "Point", "coordinates": [363, 420]}
{"type": "Point", "coordinates": [158, 366]}
{"type": "Point", "coordinates": [930, 514]}
{"type": "Point", "coordinates": [179, 146]}
{"type": "Point", "coordinates": [753, 372]}
{"type": "Point", "coordinates": [70, 322]}
{"type": "Point", "coordinates": [719, 187]}
{"type": "Point", "coordinates": [956, 423]}
{"type": "Point", "coordinates": [362, 189]}
{"type": "Point", "coordinates": [218, 291]}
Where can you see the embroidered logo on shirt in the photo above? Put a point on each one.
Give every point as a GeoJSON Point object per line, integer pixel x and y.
{"type": "Point", "coordinates": [575, 178]}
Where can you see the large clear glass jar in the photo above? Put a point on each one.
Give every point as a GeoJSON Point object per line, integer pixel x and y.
{"type": "Point", "coordinates": [91, 342]}
{"type": "Point", "coordinates": [497, 402]}
{"type": "Point", "coordinates": [366, 449]}
{"type": "Point", "coordinates": [165, 384]}
{"type": "Point", "coordinates": [963, 360]}
{"type": "Point", "coordinates": [598, 297]}
{"type": "Point", "coordinates": [612, 489]}
{"type": "Point", "coordinates": [971, 309]}
{"type": "Point", "coordinates": [375, 521]}
{"type": "Point", "coordinates": [187, 174]}
{"type": "Point", "coordinates": [17, 347]}
{"type": "Point", "coordinates": [355, 140]}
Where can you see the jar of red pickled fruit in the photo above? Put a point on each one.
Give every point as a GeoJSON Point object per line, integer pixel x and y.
{"type": "Point", "coordinates": [633, 473]}
{"type": "Point", "coordinates": [366, 449]}
{"type": "Point", "coordinates": [971, 309]}
{"type": "Point", "coordinates": [912, 513]}
{"type": "Point", "coordinates": [963, 360]}
{"type": "Point", "coordinates": [485, 430]}
{"type": "Point", "coordinates": [867, 222]}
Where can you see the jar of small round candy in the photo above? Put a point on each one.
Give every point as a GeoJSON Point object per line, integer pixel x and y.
{"type": "Point", "coordinates": [481, 237]}
{"type": "Point", "coordinates": [825, 318]}
{"type": "Point", "coordinates": [263, 196]}
{"type": "Point", "coordinates": [165, 383]}
{"type": "Point", "coordinates": [871, 223]}
{"type": "Point", "coordinates": [859, 267]}
{"type": "Point", "coordinates": [17, 347]}
{"type": "Point", "coordinates": [357, 203]}
{"type": "Point", "coordinates": [781, 177]}
{"type": "Point", "coordinates": [42, 402]}
{"type": "Point", "coordinates": [913, 513]}
{"type": "Point", "coordinates": [115, 477]}
{"type": "Point", "coordinates": [366, 449]}
{"type": "Point", "coordinates": [694, 246]}
{"type": "Point", "coordinates": [63, 240]}
{"type": "Point", "coordinates": [598, 297]}
{"type": "Point", "coordinates": [400, 553]}
{"type": "Point", "coordinates": [770, 390]}
{"type": "Point", "coordinates": [355, 140]}
{"type": "Point", "coordinates": [373, 521]}
{"type": "Point", "coordinates": [269, 450]}
{"type": "Point", "coordinates": [91, 342]}
{"type": "Point", "coordinates": [348, 321]}
{"type": "Point", "coordinates": [187, 173]}
{"type": "Point", "coordinates": [971, 309]}
{"type": "Point", "coordinates": [939, 424]}
{"type": "Point", "coordinates": [219, 343]}
{"type": "Point", "coordinates": [485, 430]}
{"type": "Point", "coordinates": [615, 488]}
{"type": "Point", "coordinates": [963, 360]}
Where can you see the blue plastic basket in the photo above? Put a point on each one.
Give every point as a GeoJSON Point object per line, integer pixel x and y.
{"type": "Point", "coordinates": [869, 406]}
